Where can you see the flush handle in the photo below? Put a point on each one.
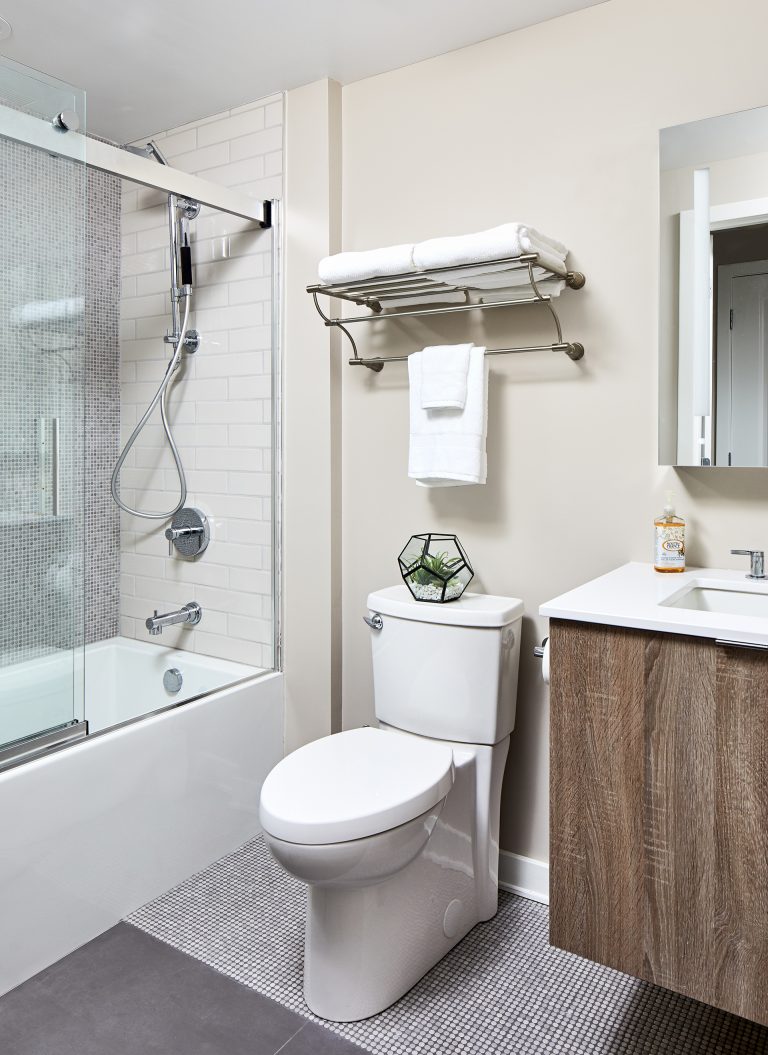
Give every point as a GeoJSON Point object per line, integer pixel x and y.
{"type": "Point", "coordinates": [375, 622]}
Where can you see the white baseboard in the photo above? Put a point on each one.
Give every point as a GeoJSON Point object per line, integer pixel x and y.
{"type": "Point", "coordinates": [524, 876]}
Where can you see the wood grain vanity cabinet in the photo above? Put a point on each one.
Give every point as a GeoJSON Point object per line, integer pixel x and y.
{"type": "Point", "coordinates": [659, 810]}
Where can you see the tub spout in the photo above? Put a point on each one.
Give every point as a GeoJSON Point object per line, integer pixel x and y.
{"type": "Point", "coordinates": [190, 613]}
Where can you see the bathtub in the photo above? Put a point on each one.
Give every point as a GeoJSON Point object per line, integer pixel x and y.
{"type": "Point", "coordinates": [123, 681]}
{"type": "Point", "coordinates": [162, 786]}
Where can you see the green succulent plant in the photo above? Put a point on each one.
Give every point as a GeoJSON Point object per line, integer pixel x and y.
{"type": "Point", "coordinates": [433, 568]}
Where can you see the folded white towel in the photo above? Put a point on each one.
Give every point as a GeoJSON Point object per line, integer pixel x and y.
{"type": "Point", "coordinates": [439, 296]}
{"type": "Point", "coordinates": [495, 276]}
{"type": "Point", "coordinates": [444, 370]}
{"type": "Point", "coordinates": [371, 263]}
{"type": "Point", "coordinates": [447, 447]}
{"type": "Point", "coordinates": [548, 287]}
{"type": "Point", "coordinates": [508, 239]}
{"type": "Point", "coordinates": [503, 278]}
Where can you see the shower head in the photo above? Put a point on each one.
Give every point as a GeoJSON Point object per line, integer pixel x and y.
{"type": "Point", "coordinates": [150, 150]}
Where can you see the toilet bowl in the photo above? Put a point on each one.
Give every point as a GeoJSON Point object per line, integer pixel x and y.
{"type": "Point", "coordinates": [355, 807]}
{"type": "Point", "coordinates": [395, 828]}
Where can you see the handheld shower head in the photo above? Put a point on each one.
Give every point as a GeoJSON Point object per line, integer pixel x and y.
{"type": "Point", "coordinates": [150, 150]}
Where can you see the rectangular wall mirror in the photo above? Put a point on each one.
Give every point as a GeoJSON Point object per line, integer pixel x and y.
{"type": "Point", "coordinates": [713, 312]}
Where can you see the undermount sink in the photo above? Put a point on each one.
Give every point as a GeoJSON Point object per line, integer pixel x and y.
{"type": "Point", "coordinates": [751, 602]}
{"type": "Point", "coordinates": [718, 603]}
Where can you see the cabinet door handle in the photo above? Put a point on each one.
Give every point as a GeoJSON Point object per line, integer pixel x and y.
{"type": "Point", "coordinates": [740, 644]}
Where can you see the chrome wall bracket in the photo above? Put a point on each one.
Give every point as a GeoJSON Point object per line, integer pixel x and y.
{"type": "Point", "coordinates": [188, 208]}
{"type": "Point", "coordinates": [191, 340]}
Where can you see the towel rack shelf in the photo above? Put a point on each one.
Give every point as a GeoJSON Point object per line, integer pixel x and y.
{"type": "Point", "coordinates": [404, 296]}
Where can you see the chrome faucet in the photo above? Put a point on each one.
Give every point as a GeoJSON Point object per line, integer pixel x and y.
{"type": "Point", "coordinates": [756, 562]}
{"type": "Point", "coordinates": [190, 613]}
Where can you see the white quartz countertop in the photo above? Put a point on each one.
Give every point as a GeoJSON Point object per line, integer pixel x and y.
{"type": "Point", "coordinates": [635, 595]}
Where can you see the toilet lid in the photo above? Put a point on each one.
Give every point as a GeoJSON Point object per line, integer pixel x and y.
{"type": "Point", "coordinates": [354, 784]}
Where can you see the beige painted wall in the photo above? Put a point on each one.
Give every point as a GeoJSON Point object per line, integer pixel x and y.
{"type": "Point", "coordinates": [311, 420]}
{"type": "Point", "coordinates": [556, 125]}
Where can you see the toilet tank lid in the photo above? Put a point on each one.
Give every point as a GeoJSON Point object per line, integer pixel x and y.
{"type": "Point", "coordinates": [471, 609]}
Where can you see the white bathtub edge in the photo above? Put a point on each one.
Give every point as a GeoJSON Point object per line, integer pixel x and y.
{"type": "Point", "coordinates": [94, 831]}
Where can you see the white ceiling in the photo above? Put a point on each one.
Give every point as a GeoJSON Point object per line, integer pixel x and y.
{"type": "Point", "coordinates": [148, 65]}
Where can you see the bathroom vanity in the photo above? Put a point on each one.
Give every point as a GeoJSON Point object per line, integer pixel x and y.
{"type": "Point", "coordinates": [659, 780]}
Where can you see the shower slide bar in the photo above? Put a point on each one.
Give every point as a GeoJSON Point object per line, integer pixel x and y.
{"type": "Point", "coordinates": [374, 294]}
{"type": "Point", "coordinates": [55, 137]}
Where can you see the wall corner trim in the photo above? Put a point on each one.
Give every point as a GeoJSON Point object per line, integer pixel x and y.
{"type": "Point", "coordinates": [524, 876]}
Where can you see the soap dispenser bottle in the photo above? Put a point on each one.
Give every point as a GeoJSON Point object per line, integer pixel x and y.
{"type": "Point", "coordinates": [669, 551]}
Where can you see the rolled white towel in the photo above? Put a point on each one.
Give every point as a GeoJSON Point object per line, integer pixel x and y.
{"type": "Point", "coordinates": [370, 263]}
{"type": "Point", "coordinates": [547, 258]}
{"type": "Point", "coordinates": [508, 239]}
{"type": "Point", "coordinates": [530, 236]}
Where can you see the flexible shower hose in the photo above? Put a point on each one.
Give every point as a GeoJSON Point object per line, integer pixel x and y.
{"type": "Point", "coordinates": [159, 396]}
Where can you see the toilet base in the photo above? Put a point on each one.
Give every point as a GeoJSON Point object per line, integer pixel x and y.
{"type": "Point", "coordinates": [366, 946]}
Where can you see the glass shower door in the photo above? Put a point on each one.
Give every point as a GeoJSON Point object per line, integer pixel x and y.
{"type": "Point", "coordinates": [42, 320]}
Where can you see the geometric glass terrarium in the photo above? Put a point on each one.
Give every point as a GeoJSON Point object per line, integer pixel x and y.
{"type": "Point", "coordinates": [435, 568]}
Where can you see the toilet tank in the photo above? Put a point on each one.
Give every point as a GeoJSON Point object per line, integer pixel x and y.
{"type": "Point", "coordinates": [448, 671]}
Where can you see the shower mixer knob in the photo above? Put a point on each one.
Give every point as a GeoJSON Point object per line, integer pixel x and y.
{"type": "Point", "coordinates": [189, 532]}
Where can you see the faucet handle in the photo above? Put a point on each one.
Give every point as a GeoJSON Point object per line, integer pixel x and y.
{"type": "Point", "coordinates": [756, 562]}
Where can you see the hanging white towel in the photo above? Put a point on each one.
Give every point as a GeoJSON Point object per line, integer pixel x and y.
{"type": "Point", "coordinates": [371, 263]}
{"type": "Point", "coordinates": [444, 371]}
{"type": "Point", "coordinates": [447, 447]}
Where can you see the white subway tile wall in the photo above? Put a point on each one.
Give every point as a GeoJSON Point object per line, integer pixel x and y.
{"type": "Point", "coordinates": [220, 404]}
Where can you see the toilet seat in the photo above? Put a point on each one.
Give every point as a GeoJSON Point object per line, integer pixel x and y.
{"type": "Point", "coordinates": [354, 784]}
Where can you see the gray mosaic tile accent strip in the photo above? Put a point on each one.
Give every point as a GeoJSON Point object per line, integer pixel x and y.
{"type": "Point", "coordinates": [59, 359]}
{"type": "Point", "coordinates": [501, 990]}
{"type": "Point", "coordinates": [102, 404]}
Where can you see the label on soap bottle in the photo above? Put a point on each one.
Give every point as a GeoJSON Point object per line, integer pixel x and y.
{"type": "Point", "coordinates": [670, 546]}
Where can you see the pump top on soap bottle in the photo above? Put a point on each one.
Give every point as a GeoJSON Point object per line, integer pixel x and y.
{"type": "Point", "coordinates": [669, 540]}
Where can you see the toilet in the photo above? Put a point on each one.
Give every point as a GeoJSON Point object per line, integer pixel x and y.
{"type": "Point", "coordinates": [395, 829]}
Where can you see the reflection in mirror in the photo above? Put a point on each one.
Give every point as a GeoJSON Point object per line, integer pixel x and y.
{"type": "Point", "coordinates": [713, 341]}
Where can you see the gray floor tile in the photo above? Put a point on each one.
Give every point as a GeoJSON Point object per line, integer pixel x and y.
{"type": "Point", "coordinates": [125, 993]}
{"type": "Point", "coordinates": [502, 991]}
{"type": "Point", "coordinates": [314, 1040]}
